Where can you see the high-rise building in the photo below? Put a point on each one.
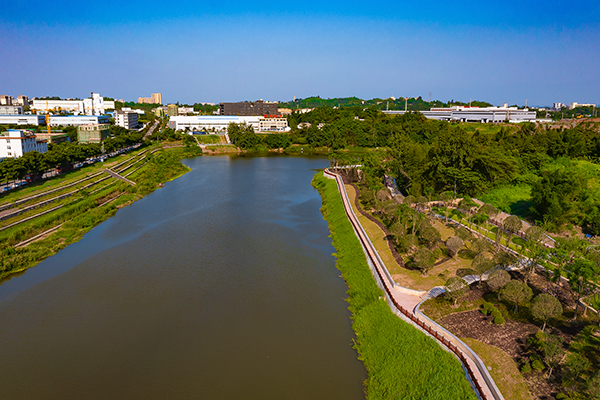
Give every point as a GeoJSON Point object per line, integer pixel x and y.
{"type": "Point", "coordinates": [6, 100]}
{"type": "Point", "coordinates": [22, 100]}
{"type": "Point", "coordinates": [247, 108]}
{"type": "Point", "coordinates": [155, 98]}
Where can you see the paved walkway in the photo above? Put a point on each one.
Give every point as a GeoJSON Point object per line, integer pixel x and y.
{"type": "Point", "coordinates": [114, 174]}
{"type": "Point", "coordinates": [405, 303]}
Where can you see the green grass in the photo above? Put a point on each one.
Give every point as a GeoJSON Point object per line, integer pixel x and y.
{"type": "Point", "coordinates": [515, 200]}
{"type": "Point", "coordinates": [504, 370]}
{"type": "Point", "coordinates": [402, 362]}
{"type": "Point", "coordinates": [208, 139]}
{"type": "Point", "coordinates": [83, 214]}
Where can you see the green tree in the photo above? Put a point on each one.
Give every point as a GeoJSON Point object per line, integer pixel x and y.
{"type": "Point", "coordinates": [544, 307]}
{"type": "Point", "coordinates": [553, 351]}
{"type": "Point", "coordinates": [455, 289]}
{"type": "Point", "coordinates": [516, 292]}
{"type": "Point", "coordinates": [424, 260]}
{"type": "Point", "coordinates": [581, 272]}
{"type": "Point", "coordinates": [497, 280]}
{"type": "Point", "coordinates": [512, 224]}
{"type": "Point", "coordinates": [454, 244]}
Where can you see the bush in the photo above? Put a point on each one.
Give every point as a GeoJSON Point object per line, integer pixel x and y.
{"type": "Point", "coordinates": [499, 320]}
{"type": "Point", "coordinates": [561, 396]}
{"type": "Point", "coordinates": [537, 365]}
{"type": "Point", "coordinates": [526, 368]}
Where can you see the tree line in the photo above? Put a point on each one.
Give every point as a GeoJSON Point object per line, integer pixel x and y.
{"type": "Point", "coordinates": [63, 155]}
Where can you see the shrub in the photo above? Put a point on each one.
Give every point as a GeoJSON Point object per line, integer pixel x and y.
{"type": "Point", "coordinates": [499, 320]}
{"type": "Point", "coordinates": [561, 396]}
{"type": "Point", "coordinates": [526, 368]}
{"type": "Point", "coordinates": [496, 313]}
{"type": "Point", "coordinates": [537, 365]}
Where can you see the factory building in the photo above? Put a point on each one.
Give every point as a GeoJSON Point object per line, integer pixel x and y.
{"type": "Point", "coordinates": [16, 142]}
{"type": "Point", "coordinates": [219, 123]}
{"type": "Point", "coordinates": [476, 114]}
{"type": "Point", "coordinates": [78, 120]}
{"type": "Point", "coordinates": [22, 120]}
{"type": "Point", "coordinates": [93, 106]}
{"type": "Point", "coordinates": [247, 108]}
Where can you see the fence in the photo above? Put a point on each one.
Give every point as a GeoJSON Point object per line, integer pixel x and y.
{"type": "Point", "coordinates": [385, 281]}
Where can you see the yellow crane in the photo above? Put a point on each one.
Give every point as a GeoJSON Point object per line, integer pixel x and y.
{"type": "Point", "coordinates": [48, 119]}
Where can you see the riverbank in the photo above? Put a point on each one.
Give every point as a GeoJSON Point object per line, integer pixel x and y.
{"type": "Point", "coordinates": [85, 209]}
{"type": "Point", "coordinates": [401, 361]}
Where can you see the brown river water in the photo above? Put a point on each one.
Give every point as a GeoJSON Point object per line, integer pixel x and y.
{"type": "Point", "coordinates": [221, 285]}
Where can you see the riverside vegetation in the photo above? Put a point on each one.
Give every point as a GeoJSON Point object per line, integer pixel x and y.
{"type": "Point", "coordinates": [546, 175]}
{"type": "Point", "coordinates": [85, 209]}
{"type": "Point", "coordinates": [401, 361]}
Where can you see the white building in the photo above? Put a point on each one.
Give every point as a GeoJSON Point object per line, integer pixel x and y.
{"type": "Point", "coordinates": [185, 110]}
{"type": "Point", "coordinates": [477, 114]}
{"type": "Point", "coordinates": [16, 142]}
{"type": "Point", "coordinates": [22, 120]}
{"type": "Point", "coordinates": [557, 106]}
{"type": "Point", "coordinates": [126, 119]}
{"type": "Point", "coordinates": [219, 123]}
{"type": "Point", "coordinates": [11, 110]}
{"type": "Point", "coordinates": [78, 120]}
{"type": "Point", "coordinates": [94, 106]}
{"type": "Point", "coordinates": [575, 105]}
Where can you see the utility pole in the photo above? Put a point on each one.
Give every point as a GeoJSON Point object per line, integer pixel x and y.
{"type": "Point", "coordinates": [406, 105]}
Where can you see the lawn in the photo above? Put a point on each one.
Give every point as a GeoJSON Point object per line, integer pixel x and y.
{"type": "Point", "coordinates": [515, 200]}
{"type": "Point", "coordinates": [503, 369]}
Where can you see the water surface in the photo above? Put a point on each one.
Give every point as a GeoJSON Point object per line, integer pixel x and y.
{"type": "Point", "coordinates": [219, 286]}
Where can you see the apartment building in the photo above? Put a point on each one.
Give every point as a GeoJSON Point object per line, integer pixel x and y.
{"type": "Point", "coordinates": [16, 142]}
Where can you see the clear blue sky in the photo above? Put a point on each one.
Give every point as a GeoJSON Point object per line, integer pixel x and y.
{"type": "Point", "coordinates": [192, 51]}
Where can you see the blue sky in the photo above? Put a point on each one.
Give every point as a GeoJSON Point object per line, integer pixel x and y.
{"type": "Point", "coordinates": [195, 51]}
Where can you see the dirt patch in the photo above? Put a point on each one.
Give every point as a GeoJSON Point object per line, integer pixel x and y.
{"type": "Point", "coordinates": [509, 337]}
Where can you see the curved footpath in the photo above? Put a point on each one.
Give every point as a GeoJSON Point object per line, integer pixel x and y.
{"type": "Point", "coordinates": [405, 303]}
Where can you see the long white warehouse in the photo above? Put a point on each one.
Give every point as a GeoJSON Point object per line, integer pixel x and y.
{"type": "Point", "coordinates": [96, 105]}
{"type": "Point", "coordinates": [476, 114]}
{"type": "Point", "coordinates": [22, 120]}
{"type": "Point", "coordinates": [78, 120]}
{"type": "Point", "coordinates": [219, 123]}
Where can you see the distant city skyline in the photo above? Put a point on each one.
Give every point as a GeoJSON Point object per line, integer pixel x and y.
{"type": "Point", "coordinates": [190, 52]}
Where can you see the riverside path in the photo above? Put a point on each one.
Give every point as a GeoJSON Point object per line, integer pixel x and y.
{"type": "Point", "coordinates": [405, 302]}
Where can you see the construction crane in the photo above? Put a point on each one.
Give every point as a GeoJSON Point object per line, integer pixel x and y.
{"type": "Point", "coordinates": [48, 119]}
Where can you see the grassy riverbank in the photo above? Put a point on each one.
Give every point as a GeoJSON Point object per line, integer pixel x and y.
{"type": "Point", "coordinates": [401, 361]}
{"type": "Point", "coordinates": [86, 210]}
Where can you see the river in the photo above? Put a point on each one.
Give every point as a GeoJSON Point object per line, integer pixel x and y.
{"type": "Point", "coordinates": [221, 285]}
